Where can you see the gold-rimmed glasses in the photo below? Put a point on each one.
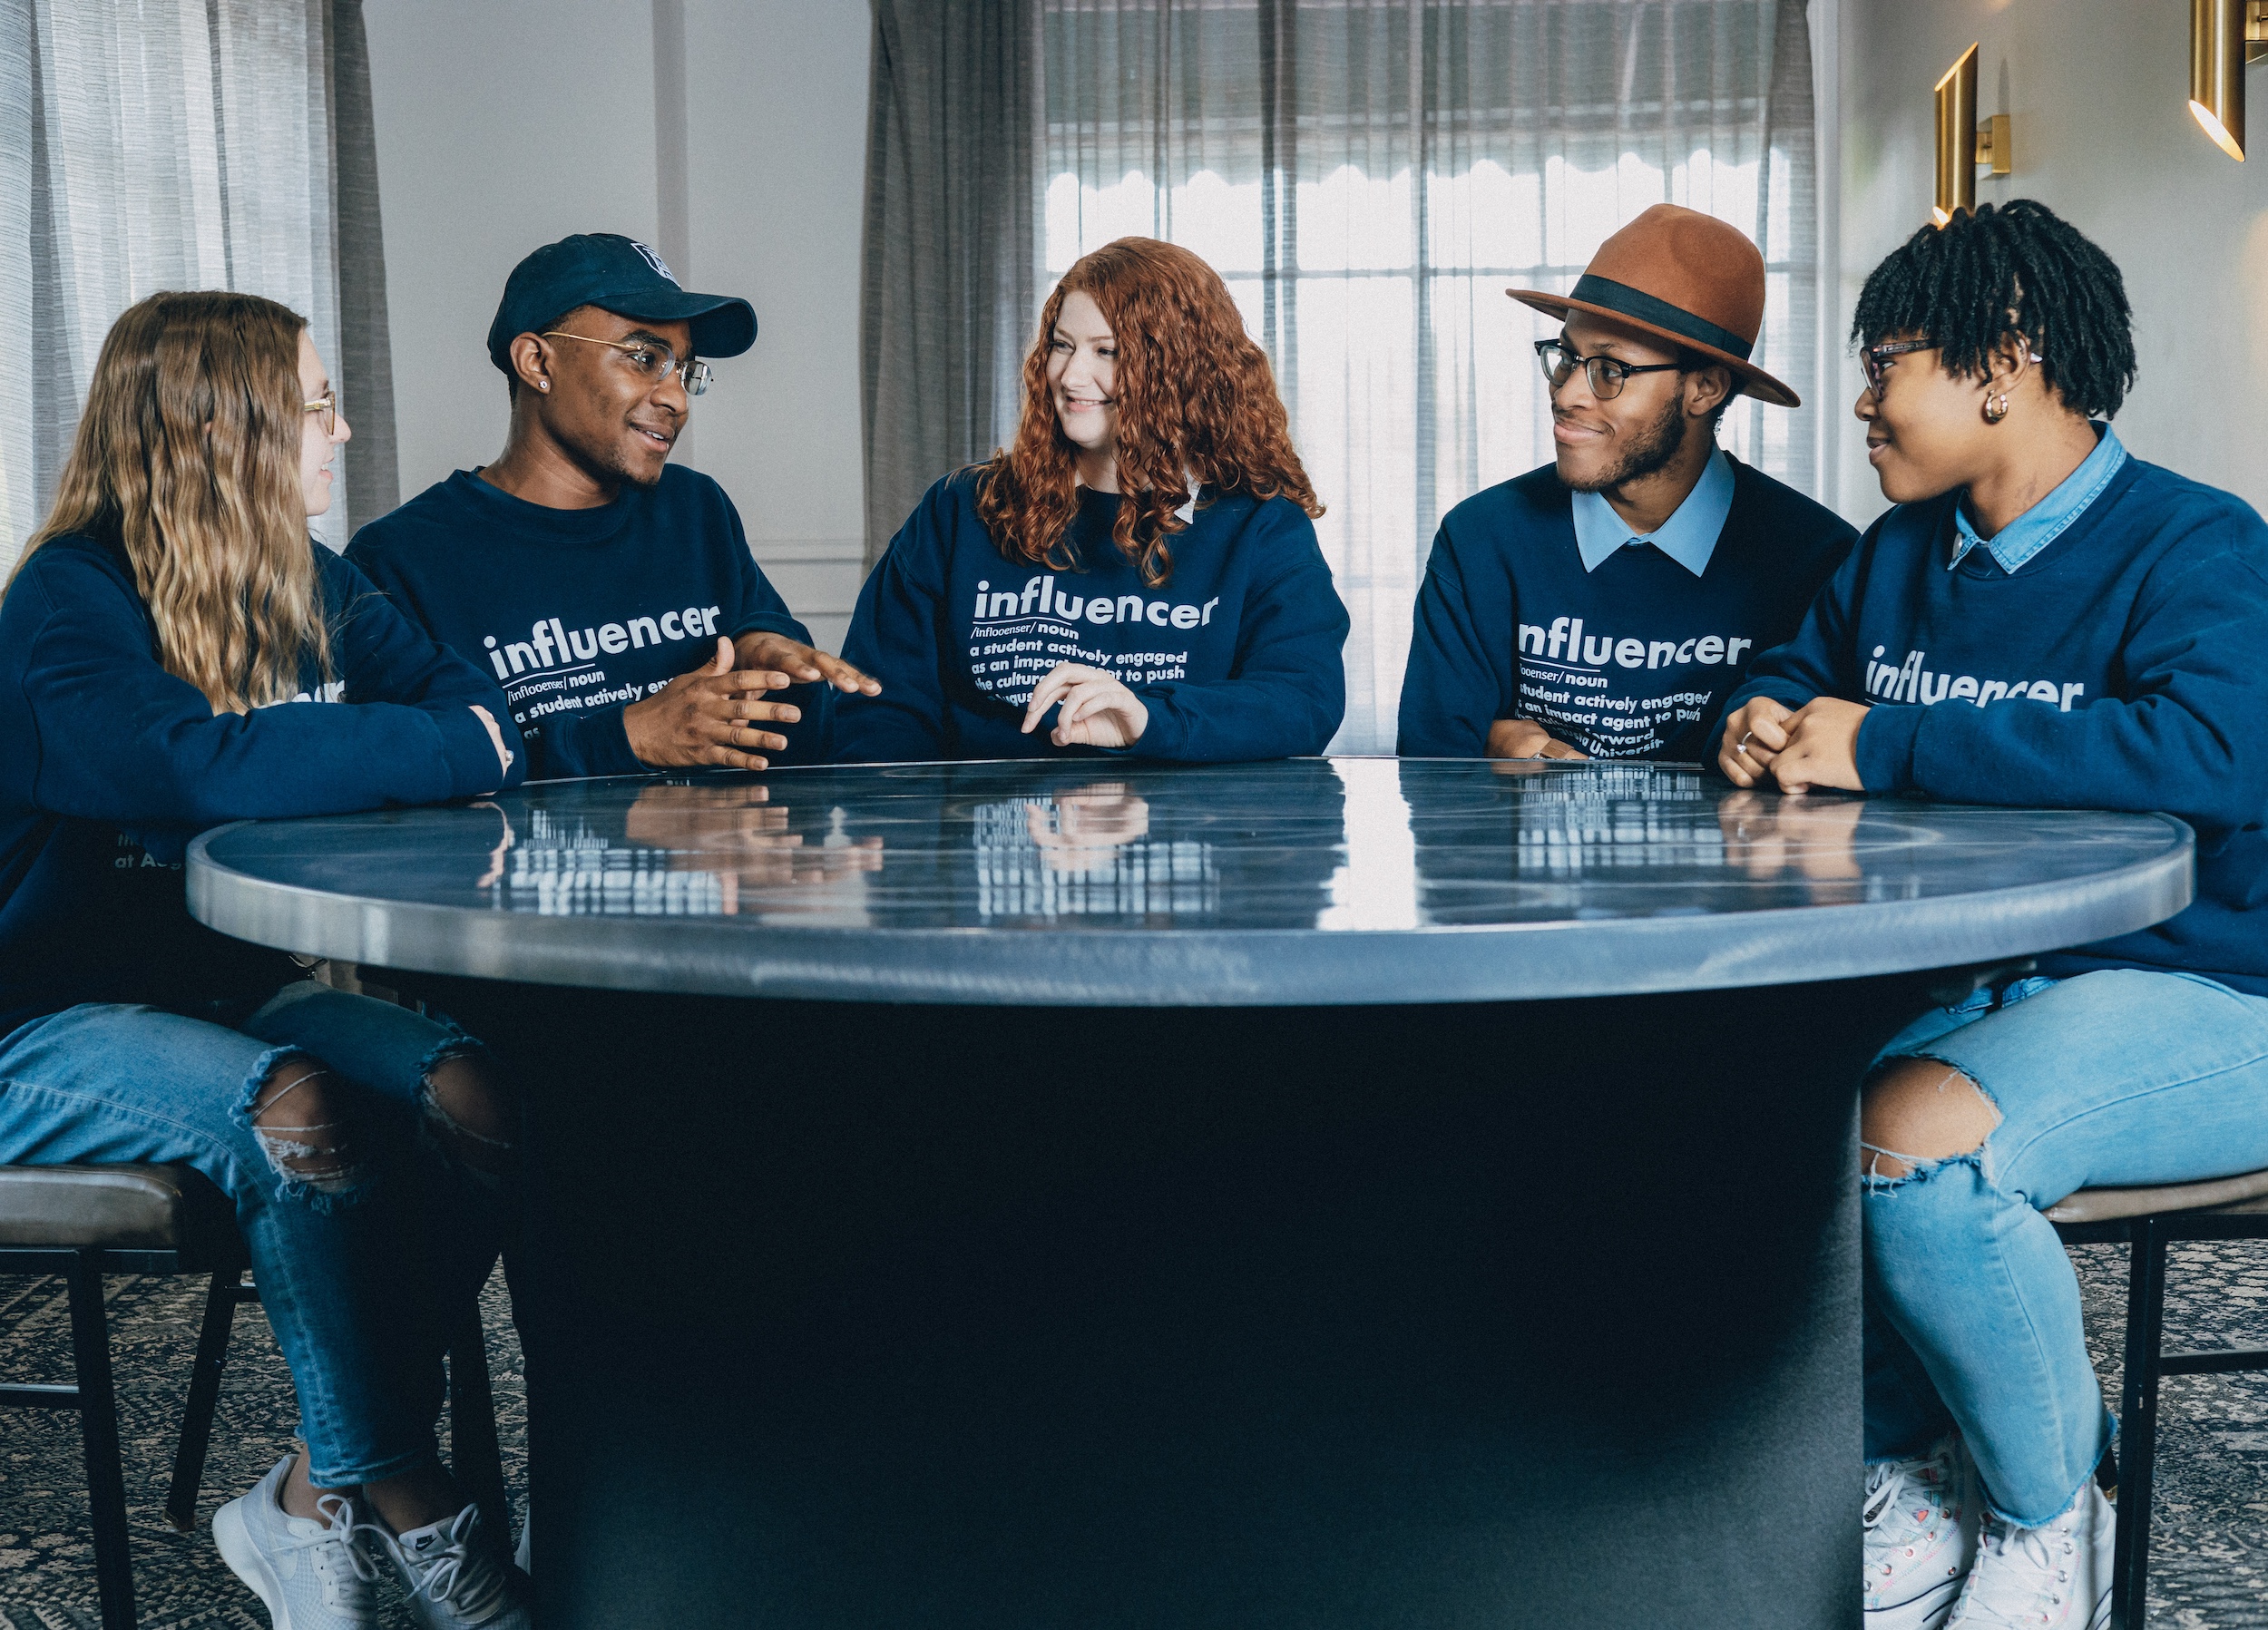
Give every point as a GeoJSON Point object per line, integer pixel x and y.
{"type": "Point", "coordinates": [654, 360]}
{"type": "Point", "coordinates": [328, 406]}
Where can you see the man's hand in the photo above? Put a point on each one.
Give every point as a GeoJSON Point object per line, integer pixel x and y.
{"type": "Point", "coordinates": [1525, 738]}
{"type": "Point", "coordinates": [806, 665]}
{"type": "Point", "coordinates": [1754, 736]}
{"type": "Point", "coordinates": [1098, 711]}
{"type": "Point", "coordinates": [702, 717]}
{"type": "Point", "coordinates": [1823, 747]}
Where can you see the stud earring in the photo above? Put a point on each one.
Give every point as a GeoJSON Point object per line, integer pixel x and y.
{"type": "Point", "coordinates": [1997, 409]}
{"type": "Point", "coordinates": [544, 385]}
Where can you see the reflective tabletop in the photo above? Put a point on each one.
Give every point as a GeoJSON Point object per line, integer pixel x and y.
{"type": "Point", "coordinates": [1309, 881]}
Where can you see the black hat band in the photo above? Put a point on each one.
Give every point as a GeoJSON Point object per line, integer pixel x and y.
{"type": "Point", "coordinates": [1636, 302]}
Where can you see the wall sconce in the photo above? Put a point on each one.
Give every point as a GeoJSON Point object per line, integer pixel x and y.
{"type": "Point", "coordinates": [2223, 36]}
{"type": "Point", "coordinates": [1960, 151]}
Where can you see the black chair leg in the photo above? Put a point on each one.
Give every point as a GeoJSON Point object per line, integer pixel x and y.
{"type": "Point", "coordinates": [473, 1454]}
{"type": "Point", "coordinates": [204, 1397]}
{"type": "Point", "coordinates": [98, 1428]}
{"type": "Point", "coordinates": [2138, 1424]}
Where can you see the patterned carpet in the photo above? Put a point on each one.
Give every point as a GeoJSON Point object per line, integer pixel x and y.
{"type": "Point", "coordinates": [2210, 1558]}
{"type": "Point", "coordinates": [46, 1559]}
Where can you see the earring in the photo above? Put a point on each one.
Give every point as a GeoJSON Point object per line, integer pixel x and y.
{"type": "Point", "coordinates": [544, 385]}
{"type": "Point", "coordinates": [1997, 409]}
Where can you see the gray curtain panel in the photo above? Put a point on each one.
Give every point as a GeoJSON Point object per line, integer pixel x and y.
{"type": "Point", "coordinates": [1370, 176]}
{"type": "Point", "coordinates": [365, 366]}
{"type": "Point", "coordinates": [225, 144]}
{"type": "Point", "coordinates": [951, 266]}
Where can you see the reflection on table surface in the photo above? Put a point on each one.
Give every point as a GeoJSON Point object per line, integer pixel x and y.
{"type": "Point", "coordinates": [1328, 844]}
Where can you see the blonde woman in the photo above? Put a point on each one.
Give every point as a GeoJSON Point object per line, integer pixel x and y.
{"type": "Point", "coordinates": [172, 596]}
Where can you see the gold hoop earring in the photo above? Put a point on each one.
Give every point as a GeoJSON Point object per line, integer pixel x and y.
{"type": "Point", "coordinates": [1997, 409]}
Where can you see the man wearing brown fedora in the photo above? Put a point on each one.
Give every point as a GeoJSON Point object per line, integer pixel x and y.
{"type": "Point", "coordinates": [1605, 605]}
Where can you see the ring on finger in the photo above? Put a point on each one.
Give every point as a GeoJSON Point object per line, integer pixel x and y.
{"type": "Point", "coordinates": [1743, 746]}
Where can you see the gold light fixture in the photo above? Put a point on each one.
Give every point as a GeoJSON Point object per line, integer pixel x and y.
{"type": "Point", "coordinates": [1960, 151]}
{"type": "Point", "coordinates": [2223, 36]}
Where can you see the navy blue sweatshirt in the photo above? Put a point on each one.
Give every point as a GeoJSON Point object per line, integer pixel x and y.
{"type": "Point", "coordinates": [1236, 656]}
{"type": "Point", "coordinates": [2122, 667]}
{"type": "Point", "coordinates": [578, 612]}
{"type": "Point", "coordinates": [109, 765]}
{"type": "Point", "coordinates": [1630, 661]}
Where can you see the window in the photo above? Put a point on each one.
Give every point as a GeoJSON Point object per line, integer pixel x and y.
{"type": "Point", "coordinates": [1369, 176]}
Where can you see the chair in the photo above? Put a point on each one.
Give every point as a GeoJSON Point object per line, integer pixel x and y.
{"type": "Point", "coordinates": [82, 1222]}
{"type": "Point", "coordinates": [2147, 1220]}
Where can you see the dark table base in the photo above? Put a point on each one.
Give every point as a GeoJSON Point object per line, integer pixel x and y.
{"type": "Point", "coordinates": [1536, 1314]}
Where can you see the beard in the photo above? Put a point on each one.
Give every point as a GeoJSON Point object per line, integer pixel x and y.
{"type": "Point", "coordinates": [1650, 450]}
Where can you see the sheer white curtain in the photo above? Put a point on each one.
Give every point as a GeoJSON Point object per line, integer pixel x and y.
{"type": "Point", "coordinates": [150, 145]}
{"type": "Point", "coordinates": [1371, 175]}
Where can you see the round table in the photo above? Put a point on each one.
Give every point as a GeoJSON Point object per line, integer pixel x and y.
{"type": "Point", "coordinates": [1329, 1193]}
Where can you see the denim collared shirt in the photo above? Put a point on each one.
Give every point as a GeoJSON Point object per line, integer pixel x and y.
{"type": "Point", "coordinates": [2045, 521]}
{"type": "Point", "coordinates": [1688, 537]}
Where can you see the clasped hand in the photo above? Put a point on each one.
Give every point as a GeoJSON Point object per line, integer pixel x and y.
{"type": "Point", "coordinates": [1098, 710]}
{"type": "Point", "coordinates": [1816, 744]}
{"type": "Point", "coordinates": [709, 716]}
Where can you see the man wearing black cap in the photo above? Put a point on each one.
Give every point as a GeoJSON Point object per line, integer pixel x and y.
{"type": "Point", "coordinates": [613, 596]}
{"type": "Point", "coordinates": [1605, 605]}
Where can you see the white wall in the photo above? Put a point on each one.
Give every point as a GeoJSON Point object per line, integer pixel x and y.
{"type": "Point", "coordinates": [2098, 92]}
{"type": "Point", "coordinates": [509, 124]}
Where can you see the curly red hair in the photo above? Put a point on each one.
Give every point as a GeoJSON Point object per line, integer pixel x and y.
{"type": "Point", "coordinates": [1195, 395]}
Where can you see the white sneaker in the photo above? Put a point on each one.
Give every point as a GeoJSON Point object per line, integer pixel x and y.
{"type": "Point", "coordinates": [2056, 1576]}
{"type": "Point", "coordinates": [454, 1578]}
{"type": "Point", "coordinates": [309, 1575]}
{"type": "Point", "coordinates": [1921, 1520]}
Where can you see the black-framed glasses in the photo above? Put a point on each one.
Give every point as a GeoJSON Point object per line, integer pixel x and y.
{"type": "Point", "coordinates": [1606, 374]}
{"type": "Point", "coordinates": [1871, 356]}
{"type": "Point", "coordinates": [1871, 359]}
{"type": "Point", "coordinates": [328, 406]}
{"type": "Point", "coordinates": [654, 360]}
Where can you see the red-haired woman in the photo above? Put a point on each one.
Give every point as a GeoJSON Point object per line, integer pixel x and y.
{"type": "Point", "coordinates": [1141, 564]}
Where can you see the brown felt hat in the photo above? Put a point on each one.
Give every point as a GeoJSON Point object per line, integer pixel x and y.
{"type": "Point", "coordinates": [1691, 279]}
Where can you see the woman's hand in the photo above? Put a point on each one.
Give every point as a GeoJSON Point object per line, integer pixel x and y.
{"type": "Point", "coordinates": [1525, 738]}
{"type": "Point", "coordinates": [1822, 747]}
{"type": "Point", "coordinates": [496, 739]}
{"type": "Point", "coordinates": [1754, 736]}
{"type": "Point", "coordinates": [1098, 711]}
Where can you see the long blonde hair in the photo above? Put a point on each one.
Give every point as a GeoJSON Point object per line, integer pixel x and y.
{"type": "Point", "coordinates": [188, 455]}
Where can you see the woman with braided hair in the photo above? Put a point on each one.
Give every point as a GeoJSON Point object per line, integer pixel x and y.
{"type": "Point", "coordinates": [2043, 620]}
{"type": "Point", "coordinates": [1138, 572]}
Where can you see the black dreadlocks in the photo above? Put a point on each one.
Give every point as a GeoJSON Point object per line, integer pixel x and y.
{"type": "Point", "coordinates": [2019, 270]}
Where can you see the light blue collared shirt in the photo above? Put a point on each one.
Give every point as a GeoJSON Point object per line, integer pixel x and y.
{"type": "Point", "coordinates": [1688, 537]}
{"type": "Point", "coordinates": [2045, 521]}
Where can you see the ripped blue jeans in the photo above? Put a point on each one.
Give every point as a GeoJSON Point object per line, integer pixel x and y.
{"type": "Point", "coordinates": [1972, 1309]}
{"type": "Point", "coordinates": [364, 1267]}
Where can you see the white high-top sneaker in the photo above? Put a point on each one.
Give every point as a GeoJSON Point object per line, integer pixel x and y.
{"type": "Point", "coordinates": [1921, 1521]}
{"type": "Point", "coordinates": [2056, 1576]}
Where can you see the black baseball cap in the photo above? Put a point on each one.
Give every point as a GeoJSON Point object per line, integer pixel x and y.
{"type": "Point", "coordinates": [615, 274]}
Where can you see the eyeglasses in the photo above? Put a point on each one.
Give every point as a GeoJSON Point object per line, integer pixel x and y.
{"type": "Point", "coordinates": [328, 406]}
{"type": "Point", "coordinates": [1606, 374]}
{"type": "Point", "coordinates": [1870, 359]}
{"type": "Point", "coordinates": [654, 361]}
